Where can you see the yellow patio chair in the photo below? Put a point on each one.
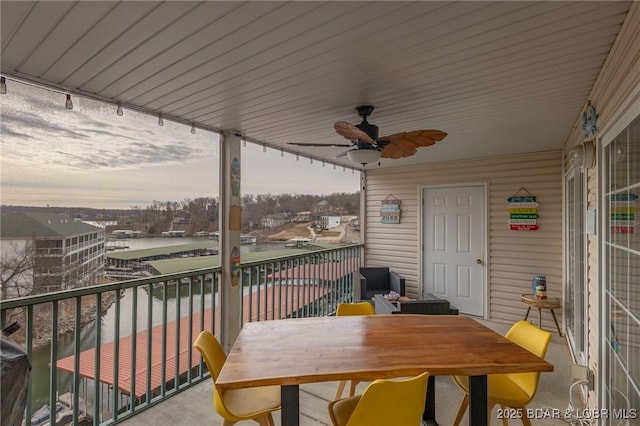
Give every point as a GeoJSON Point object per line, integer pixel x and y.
{"type": "Point", "coordinates": [345, 309]}
{"type": "Point", "coordinates": [513, 390]}
{"type": "Point", "coordinates": [383, 403]}
{"type": "Point", "coordinates": [236, 405]}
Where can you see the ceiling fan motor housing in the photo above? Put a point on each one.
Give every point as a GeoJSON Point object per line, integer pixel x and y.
{"type": "Point", "coordinates": [370, 129]}
{"type": "Point", "coordinates": [364, 111]}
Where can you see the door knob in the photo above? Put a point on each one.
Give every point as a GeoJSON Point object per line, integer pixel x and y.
{"type": "Point", "coordinates": [479, 261]}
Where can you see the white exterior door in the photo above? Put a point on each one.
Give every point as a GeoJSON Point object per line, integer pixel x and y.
{"type": "Point", "coordinates": [454, 241]}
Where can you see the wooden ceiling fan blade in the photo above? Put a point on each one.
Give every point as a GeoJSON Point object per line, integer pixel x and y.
{"type": "Point", "coordinates": [417, 137]}
{"type": "Point", "coordinates": [400, 143]}
{"type": "Point", "coordinates": [409, 153]}
{"type": "Point", "coordinates": [351, 132]}
{"type": "Point", "coordinates": [320, 144]}
{"type": "Point", "coordinates": [394, 151]}
{"type": "Point", "coordinates": [393, 155]}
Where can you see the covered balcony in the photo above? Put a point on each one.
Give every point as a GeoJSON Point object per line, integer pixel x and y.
{"type": "Point", "coordinates": [524, 163]}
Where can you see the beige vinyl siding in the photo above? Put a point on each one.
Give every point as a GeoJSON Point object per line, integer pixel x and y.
{"type": "Point", "coordinates": [613, 90]}
{"type": "Point", "coordinates": [513, 256]}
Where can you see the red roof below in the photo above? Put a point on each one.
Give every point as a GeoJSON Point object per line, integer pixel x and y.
{"type": "Point", "coordinates": [177, 353]}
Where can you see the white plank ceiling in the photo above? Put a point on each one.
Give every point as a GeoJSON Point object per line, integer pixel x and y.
{"type": "Point", "coordinates": [498, 77]}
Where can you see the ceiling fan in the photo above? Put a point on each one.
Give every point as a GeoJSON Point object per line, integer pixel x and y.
{"type": "Point", "coordinates": [367, 147]}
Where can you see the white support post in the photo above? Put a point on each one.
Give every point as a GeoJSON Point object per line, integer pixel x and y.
{"type": "Point", "coordinates": [229, 243]}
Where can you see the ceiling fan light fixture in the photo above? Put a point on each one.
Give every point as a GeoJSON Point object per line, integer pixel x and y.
{"type": "Point", "coordinates": [364, 156]}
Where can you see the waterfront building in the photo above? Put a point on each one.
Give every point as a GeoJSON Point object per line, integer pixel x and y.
{"type": "Point", "coordinates": [62, 252]}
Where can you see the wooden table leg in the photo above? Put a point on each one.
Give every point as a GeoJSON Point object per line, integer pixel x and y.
{"type": "Point", "coordinates": [429, 415]}
{"type": "Point", "coordinates": [478, 401]}
{"type": "Point", "coordinates": [290, 399]}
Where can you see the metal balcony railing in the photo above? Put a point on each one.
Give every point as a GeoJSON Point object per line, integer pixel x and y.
{"type": "Point", "coordinates": [139, 350]}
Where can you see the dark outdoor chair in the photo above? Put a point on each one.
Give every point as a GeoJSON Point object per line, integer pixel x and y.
{"type": "Point", "coordinates": [369, 281]}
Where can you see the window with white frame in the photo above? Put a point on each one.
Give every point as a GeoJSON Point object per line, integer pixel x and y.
{"type": "Point", "coordinates": [622, 277]}
{"type": "Point", "coordinates": [574, 300]}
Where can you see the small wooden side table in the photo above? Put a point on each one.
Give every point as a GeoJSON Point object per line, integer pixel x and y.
{"type": "Point", "coordinates": [551, 303]}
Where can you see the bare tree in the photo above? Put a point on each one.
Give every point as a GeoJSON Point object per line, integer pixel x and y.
{"type": "Point", "coordinates": [16, 264]}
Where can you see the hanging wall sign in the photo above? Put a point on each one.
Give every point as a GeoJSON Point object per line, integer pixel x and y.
{"type": "Point", "coordinates": [623, 213]}
{"type": "Point", "coordinates": [589, 121]}
{"type": "Point", "coordinates": [235, 177]}
{"type": "Point", "coordinates": [523, 211]}
{"type": "Point", "coordinates": [235, 266]}
{"type": "Point", "coordinates": [390, 210]}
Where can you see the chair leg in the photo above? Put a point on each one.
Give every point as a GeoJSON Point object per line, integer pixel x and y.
{"type": "Point", "coordinates": [352, 388]}
{"type": "Point", "coordinates": [341, 386]}
{"type": "Point", "coordinates": [463, 407]}
{"type": "Point", "coordinates": [264, 420]}
{"type": "Point", "coordinates": [525, 418]}
{"type": "Point", "coordinates": [505, 421]}
{"type": "Point", "coordinates": [226, 422]}
{"type": "Point", "coordinates": [489, 411]}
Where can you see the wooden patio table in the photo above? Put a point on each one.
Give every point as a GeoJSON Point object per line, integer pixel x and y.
{"type": "Point", "coordinates": [291, 352]}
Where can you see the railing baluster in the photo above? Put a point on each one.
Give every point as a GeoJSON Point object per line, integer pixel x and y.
{"type": "Point", "coordinates": [190, 329]}
{"type": "Point", "coordinates": [28, 337]}
{"type": "Point", "coordinates": [288, 282]}
{"type": "Point", "coordinates": [280, 287]}
{"type": "Point", "coordinates": [300, 283]}
{"type": "Point", "coordinates": [149, 342]}
{"type": "Point", "coordinates": [265, 301]}
{"type": "Point", "coordinates": [262, 269]}
{"type": "Point", "coordinates": [53, 372]}
{"type": "Point", "coordinates": [163, 370]}
{"type": "Point", "coordinates": [215, 291]}
{"type": "Point", "coordinates": [250, 301]}
{"type": "Point", "coordinates": [76, 361]}
{"type": "Point", "coordinates": [96, 367]}
{"type": "Point", "coordinates": [176, 379]}
{"type": "Point", "coordinates": [134, 348]}
{"type": "Point", "coordinates": [116, 356]}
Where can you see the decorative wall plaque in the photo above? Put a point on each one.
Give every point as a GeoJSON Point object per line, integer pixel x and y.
{"type": "Point", "coordinates": [523, 211]}
{"type": "Point", "coordinates": [390, 210]}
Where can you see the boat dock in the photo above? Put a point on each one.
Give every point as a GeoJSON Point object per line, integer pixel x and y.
{"type": "Point", "coordinates": [275, 302]}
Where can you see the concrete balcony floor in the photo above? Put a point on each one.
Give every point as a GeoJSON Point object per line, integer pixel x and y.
{"type": "Point", "coordinates": [195, 406]}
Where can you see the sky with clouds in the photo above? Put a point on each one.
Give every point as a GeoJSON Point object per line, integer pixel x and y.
{"type": "Point", "coordinates": [90, 157]}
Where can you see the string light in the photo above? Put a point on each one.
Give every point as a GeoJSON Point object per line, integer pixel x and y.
{"type": "Point", "coordinates": [68, 104]}
{"type": "Point", "coordinates": [244, 143]}
{"type": "Point", "coordinates": [3, 85]}
{"type": "Point", "coordinates": [264, 147]}
{"type": "Point", "coordinates": [160, 120]}
{"type": "Point", "coordinates": [193, 129]}
{"type": "Point", "coordinates": [334, 166]}
{"type": "Point", "coordinates": [119, 110]}
{"type": "Point", "coordinates": [344, 168]}
{"type": "Point", "coordinates": [310, 160]}
{"type": "Point", "coordinates": [297, 157]}
{"type": "Point", "coordinates": [322, 163]}
{"type": "Point", "coordinates": [281, 152]}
